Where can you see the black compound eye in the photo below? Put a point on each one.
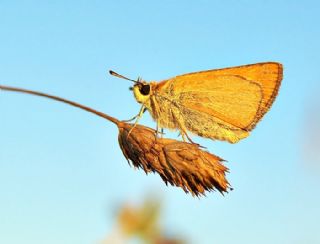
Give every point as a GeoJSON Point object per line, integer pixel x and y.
{"type": "Point", "coordinates": [145, 89]}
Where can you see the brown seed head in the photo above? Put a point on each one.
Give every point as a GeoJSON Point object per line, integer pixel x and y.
{"type": "Point", "coordinates": [181, 164]}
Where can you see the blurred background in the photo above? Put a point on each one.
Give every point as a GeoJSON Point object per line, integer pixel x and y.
{"type": "Point", "coordinates": [63, 178]}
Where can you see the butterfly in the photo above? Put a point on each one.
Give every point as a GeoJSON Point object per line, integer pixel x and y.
{"type": "Point", "coordinates": [220, 104]}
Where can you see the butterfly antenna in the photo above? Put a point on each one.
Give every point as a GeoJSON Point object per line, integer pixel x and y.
{"type": "Point", "coordinates": [121, 76]}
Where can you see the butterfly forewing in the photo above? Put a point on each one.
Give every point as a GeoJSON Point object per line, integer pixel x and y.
{"type": "Point", "coordinates": [221, 104]}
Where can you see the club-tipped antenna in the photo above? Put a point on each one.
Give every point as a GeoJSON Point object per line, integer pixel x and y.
{"type": "Point", "coordinates": [121, 76]}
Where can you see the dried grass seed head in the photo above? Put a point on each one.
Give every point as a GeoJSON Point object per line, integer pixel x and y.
{"type": "Point", "coordinates": [181, 164]}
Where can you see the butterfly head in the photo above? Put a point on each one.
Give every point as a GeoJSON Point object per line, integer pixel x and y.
{"type": "Point", "coordinates": [141, 91]}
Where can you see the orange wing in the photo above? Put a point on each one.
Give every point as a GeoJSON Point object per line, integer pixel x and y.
{"type": "Point", "coordinates": [236, 97]}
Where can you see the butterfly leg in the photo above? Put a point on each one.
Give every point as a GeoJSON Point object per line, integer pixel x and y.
{"type": "Point", "coordinates": [159, 131]}
{"type": "Point", "coordinates": [129, 120]}
{"type": "Point", "coordinates": [137, 117]}
{"type": "Point", "coordinates": [182, 128]}
{"type": "Point", "coordinates": [185, 135]}
{"type": "Point", "coordinates": [142, 110]}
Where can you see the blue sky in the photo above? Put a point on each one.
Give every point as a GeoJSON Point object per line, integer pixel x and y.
{"type": "Point", "coordinates": [61, 170]}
